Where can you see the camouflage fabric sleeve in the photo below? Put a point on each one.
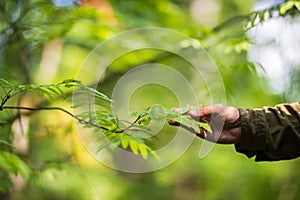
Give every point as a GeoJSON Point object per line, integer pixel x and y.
{"type": "Point", "coordinates": [271, 133]}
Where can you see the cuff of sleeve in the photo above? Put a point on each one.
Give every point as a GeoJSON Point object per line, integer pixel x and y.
{"type": "Point", "coordinates": [252, 130]}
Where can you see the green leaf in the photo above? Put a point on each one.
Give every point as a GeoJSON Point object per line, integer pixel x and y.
{"type": "Point", "coordinates": [33, 86]}
{"type": "Point", "coordinates": [270, 12]}
{"type": "Point", "coordinates": [145, 121]}
{"type": "Point", "coordinates": [157, 112]}
{"type": "Point", "coordinates": [286, 7]}
{"type": "Point", "coordinates": [13, 164]}
{"type": "Point", "coordinates": [135, 139]}
{"type": "Point", "coordinates": [69, 85]}
{"type": "Point", "coordinates": [140, 133]}
{"type": "Point", "coordinates": [254, 19]}
{"type": "Point", "coordinates": [144, 151]}
{"type": "Point", "coordinates": [133, 146]}
{"type": "Point", "coordinates": [98, 94]}
{"type": "Point", "coordinates": [103, 136]}
{"type": "Point", "coordinates": [7, 83]}
{"type": "Point", "coordinates": [57, 87]}
{"type": "Point", "coordinates": [115, 144]}
{"type": "Point", "coordinates": [83, 104]}
{"type": "Point", "coordinates": [124, 143]}
{"type": "Point", "coordinates": [297, 4]}
{"type": "Point", "coordinates": [44, 92]}
{"type": "Point", "coordinates": [23, 87]}
{"type": "Point", "coordinates": [154, 154]}
{"type": "Point", "coordinates": [262, 16]}
{"type": "Point", "coordinates": [53, 90]}
{"type": "Point", "coordinates": [139, 113]}
{"type": "Point", "coordinates": [205, 126]}
{"type": "Point", "coordinates": [187, 121]}
{"type": "Point", "coordinates": [4, 142]}
{"type": "Point", "coordinates": [104, 145]}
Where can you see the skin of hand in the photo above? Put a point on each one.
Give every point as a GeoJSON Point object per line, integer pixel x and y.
{"type": "Point", "coordinates": [214, 115]}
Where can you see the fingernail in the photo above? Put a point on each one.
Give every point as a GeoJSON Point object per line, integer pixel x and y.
{"type": "Point", "coordinates": [172, 121]}
{"type": "Point", "coordinates": [177, 109]}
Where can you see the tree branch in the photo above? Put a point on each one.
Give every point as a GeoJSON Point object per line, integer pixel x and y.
{"type": "Point", "coordinates": [131, 125]}
{"type": "Point", "coordinates": [55, 108]}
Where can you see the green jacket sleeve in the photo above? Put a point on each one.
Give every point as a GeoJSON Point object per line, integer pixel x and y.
{"type": "Point", "coordinates": [271, 133]}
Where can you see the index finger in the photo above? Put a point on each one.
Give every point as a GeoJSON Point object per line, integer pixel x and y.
{"type": "Point", "coordinates": [204, 111]}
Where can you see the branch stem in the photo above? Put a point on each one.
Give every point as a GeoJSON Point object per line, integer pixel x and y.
{"type": "Point", "coordinates": [55, 108]}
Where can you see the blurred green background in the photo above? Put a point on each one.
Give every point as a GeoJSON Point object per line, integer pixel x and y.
{"type": "Point", "coordinates": [46, 42]}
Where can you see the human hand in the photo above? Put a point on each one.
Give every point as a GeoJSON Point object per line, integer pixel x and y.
{"type": "Point", "coordinates": [223, 120]}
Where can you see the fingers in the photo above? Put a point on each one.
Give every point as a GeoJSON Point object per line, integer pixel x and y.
{"type": "Point", "coordinates": [204, 113]}
{"type": "Point", "coordinates": [202, 133]}
{"type": "Point", "coordinates": [207, 111]}
{"type": "Point", "coordinates": [223, 120]}
{"type": "Point", "coordinates": [174, 123]}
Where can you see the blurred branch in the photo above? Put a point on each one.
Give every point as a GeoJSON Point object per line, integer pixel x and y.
{"type": "Point", "coordinates": [231, 21]}
{"type": "Point", "coordinates": [281, 9]}
{"type": "Point", "coordinates": [158, 58]}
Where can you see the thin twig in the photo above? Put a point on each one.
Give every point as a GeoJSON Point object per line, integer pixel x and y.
{"type": "Point", "coordinates": [56, 108]}
{"type": "Point", "coordinates": [240, 18]}
{"type": "Point", "coordinates": [231, 21]}
{"type": "Point", "coordinates": [131, 125]}
{"type": "Point", "coordinates": [5, 99]}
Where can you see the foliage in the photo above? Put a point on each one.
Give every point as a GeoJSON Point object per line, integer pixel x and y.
{"type": "Point", "coordinates": [286, 8]}
{"type": "Point", "coordinates": [10, 163]}
{"type": "Point", "coordinates": [115, 130]}
{"type": "Point", "coordinates": [50, 166]}
{"type": "Point", "coordinates": [26, 26]}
